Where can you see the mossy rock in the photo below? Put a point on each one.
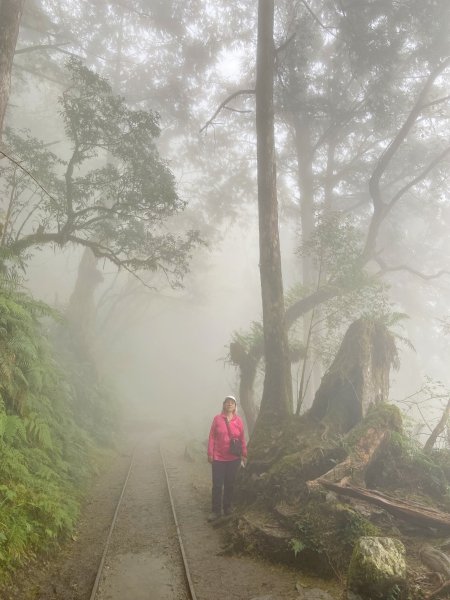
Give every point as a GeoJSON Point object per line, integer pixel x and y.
{"type": "Point", "coordinates": [325, 532]}
{"type": "Point", "coordinates": [366, 447]}
{"type": "Point", "coordinates": [377, 568]}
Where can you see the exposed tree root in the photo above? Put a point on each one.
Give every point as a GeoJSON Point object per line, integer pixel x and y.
{"type": "Point", "coordinates": [445, 587]}
{"type": "Point", "coordinates": [436, 560]}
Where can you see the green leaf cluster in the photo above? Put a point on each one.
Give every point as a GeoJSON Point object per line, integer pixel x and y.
{"type": "Point", "coordinates": [46, 455]}
{"type": "Point", "coordinates": [113, 192]}
{"type": "Point", "coordinates": [405, 468]}
{"type": "Point", "coordinates": [335, 249]}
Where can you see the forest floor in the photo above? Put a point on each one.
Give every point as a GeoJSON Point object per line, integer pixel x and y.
{"type": "Point", "coordinates": [69, 574]}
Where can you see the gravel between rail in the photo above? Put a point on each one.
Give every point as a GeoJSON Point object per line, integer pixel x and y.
{"type": "Point", "coordinates": [143, 561]}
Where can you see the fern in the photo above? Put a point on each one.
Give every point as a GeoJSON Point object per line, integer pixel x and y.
{"type": "Point", "coordinates": [46, 447]}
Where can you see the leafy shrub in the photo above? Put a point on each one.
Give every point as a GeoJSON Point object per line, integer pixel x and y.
{"type": "Point", "coordinates": [46, 456]}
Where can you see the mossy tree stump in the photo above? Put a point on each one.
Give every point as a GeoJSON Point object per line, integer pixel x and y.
{"type": "Point", "coordinates": [358, 378]}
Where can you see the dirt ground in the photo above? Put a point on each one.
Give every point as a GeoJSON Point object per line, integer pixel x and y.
{"type": "Point", "coordinates": [144, 544]}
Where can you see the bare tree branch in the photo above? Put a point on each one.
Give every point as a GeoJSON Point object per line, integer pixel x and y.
{"type": "Point", "coordinates": [286, 43]}
{"type": "Point", "coordinates": [429, 445]}
{"type": "Point", "coordinates": [435, 102]}
{"type": "Point", "coordinates": [390, 151]}
{"type": "Point", "coordinates": [224, 103]}
{"type": "Point", "coordinates": [237, 110]}
{"type": "Point", "coordinates": [22, 168]}
{"type": "Point", "coordinates": [418, 178]}
{"type": "Point", "coordinates": [317, 20]}
{"type": "Point", "coordinates": [426, 276]}
{"type": "Point", "coordinates": [45, 47]}
{"type": "Point", "coordinates": [381, 208]}
{"type": "Point", "coordinates": [100, 251]}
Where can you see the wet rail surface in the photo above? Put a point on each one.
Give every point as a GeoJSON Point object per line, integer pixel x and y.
{"type": "Point", "coordinates": [144, 556]}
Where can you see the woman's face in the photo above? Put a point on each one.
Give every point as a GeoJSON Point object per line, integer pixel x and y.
{"type": "Point", "coordinates": [229, 405]}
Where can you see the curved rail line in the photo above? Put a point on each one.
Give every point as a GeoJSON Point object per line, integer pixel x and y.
{"type": "Point", "coordinates": [189, 583]}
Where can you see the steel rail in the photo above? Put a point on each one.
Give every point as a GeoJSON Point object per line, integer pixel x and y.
{"type": "Point", "coordinates": [180, 540]}
{"type": "Point", "coordinates": [187, 573]}
{"type": "Point", "coordinates": [111, 529]}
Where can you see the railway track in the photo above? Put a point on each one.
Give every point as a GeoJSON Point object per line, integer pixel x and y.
{"type": "Point", "coordinates": [160, 547]}
{"type": "Point", "coordinates": [145, 558]}
{"type": "Point", "coordinates": [129, 519]}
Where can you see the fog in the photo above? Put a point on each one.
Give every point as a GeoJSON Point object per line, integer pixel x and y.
{"type": "Point", "coordinates": [169, 365]}
{"type": "Point", "coordinates": [165, 350]}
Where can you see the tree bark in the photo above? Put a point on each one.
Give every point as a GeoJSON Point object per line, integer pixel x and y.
{"type": "Point", "coordinates": [417, 513]}
{"type": "Point", "coordinates": [81, 310]}
{"type": "Point", "coordinates": [248, 365]}
{"type": "Point", "coordinates": [358, 378]}
{"type": "Point", "coordinates": [436, 560]}
{"type": "Point", "coordinates": [10, 16]}
{"type": "Point", "coordinates": [356, 464]}
{"type": "Point", "coordinates": [442, 589]}
{"type": "Point", "coordinates": [381, 209]}
{"type": "Point", "coordinates": [305, 181]}
{"type": "Point", "coordinates": [277, 394]}
{"type": "Point", "coordinates": [429, 445]}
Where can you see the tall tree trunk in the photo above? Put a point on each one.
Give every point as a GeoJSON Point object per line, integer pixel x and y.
{"type": "Point", "coordinates": [277, 394]}
{"type": "Point", "coordinates": [305, 178]}
{"type": "Point", "coordinates": [304, 155]}
{"type": "Point", "coordinates": [248, 365]}
{"type": "Point", "coordinates": [81, 310]}
{"type": "Point", "coordinates": [10, 16]}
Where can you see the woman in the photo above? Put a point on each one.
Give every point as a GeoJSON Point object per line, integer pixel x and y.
{"type": "Point", "coordinates": [225, 427]}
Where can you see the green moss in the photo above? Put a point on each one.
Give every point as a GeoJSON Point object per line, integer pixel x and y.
{"type": "Point", "coordinates": [309, 543]}
{"type": "Point", "coordinates": [325, 535]}
{"type": "Point", "coordinates": [383, 416]}
{"type": "Point", "coordinates": [377, 567]}
{"type": "Point", "coordinates": [404, 468]}
{"type": "Point", "coordinates": [354, 526]}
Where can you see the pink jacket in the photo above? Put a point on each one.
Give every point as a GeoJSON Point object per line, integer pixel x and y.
{"type": "Point", "coordinates": [219, 439]}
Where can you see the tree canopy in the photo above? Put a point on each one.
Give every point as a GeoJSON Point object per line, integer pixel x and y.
{"type": "Point", "coordinates": [117, 208]}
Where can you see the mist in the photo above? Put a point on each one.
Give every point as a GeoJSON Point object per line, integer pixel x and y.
{"type": "Point", "coordinates": [202, 200]}
{"type": "Point", "coordinates": [172, 363]}
{"type": "Point", "coordinates": [167, 360]}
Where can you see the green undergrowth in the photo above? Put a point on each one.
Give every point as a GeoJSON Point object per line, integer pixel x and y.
{"type": "Point", "coordinates": [314, 529]}
{"type": "Point", "coordinates": [324, 535]}
{"type": "Point", "coordinates": [406, 470]}
{"type": "Point", "coordinates": [48, 453]}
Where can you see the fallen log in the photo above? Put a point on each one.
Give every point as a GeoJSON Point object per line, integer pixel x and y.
{"type": "Point", "coordinates": [413, 511]}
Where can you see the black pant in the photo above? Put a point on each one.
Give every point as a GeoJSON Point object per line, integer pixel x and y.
{"type": "Point", "coordinates": [223, 476]}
